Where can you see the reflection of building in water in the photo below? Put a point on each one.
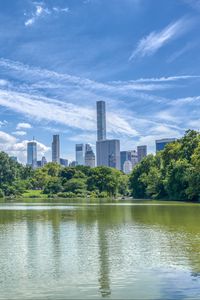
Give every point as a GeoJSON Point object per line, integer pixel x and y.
{"type": "Point", "coordinates": [104, 280]}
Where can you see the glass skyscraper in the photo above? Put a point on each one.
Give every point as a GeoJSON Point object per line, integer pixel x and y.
{"type": "Point", "coordinates": [32, 154]}
{"type": "Point", "coordinates": [80, 154]}
{"type": "Point", "coordinates": [160, 144]}
{"type": "Point", "coordinates": [101, 120]}
{"type": "Point", "coordinates": [56, 149]}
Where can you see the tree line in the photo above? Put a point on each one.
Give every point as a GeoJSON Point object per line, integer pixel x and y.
{"type": "Point", "coordinates": [171, 174]}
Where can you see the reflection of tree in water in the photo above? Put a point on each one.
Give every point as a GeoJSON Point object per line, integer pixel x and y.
{"type": "Point", "coordinates": [104, 280]}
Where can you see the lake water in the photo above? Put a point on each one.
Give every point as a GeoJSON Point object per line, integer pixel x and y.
{"type": "Point", "coordinates": [124, 250]}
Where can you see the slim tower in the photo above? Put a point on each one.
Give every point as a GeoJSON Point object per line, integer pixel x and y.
{"type": "Point", "coordinates": [56, 149]}
{"type": "Point", "coordinates": [101, 120]}
{"type": "Point", "coordinates": [32, 154]}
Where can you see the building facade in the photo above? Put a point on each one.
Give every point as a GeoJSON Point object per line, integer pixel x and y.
{"type": "Point", "coordinates": [32, 154]}
{"type": "Point", "coordinates": [80, 154]}
{"type": "Point", "coordinates": [64, 162]}
{"type": "Point", "coordinates": [56, 149]}
{"type": "Point", "coordinates": [124, 156]}
{"type": "Point", "coordinates": [160, 144]}
{"type": "Point", "coordinates": [141, 152]}
{"type": "Point", "coordinates": [133, 157]}
{"type": "Point", "coordinates": [43, 161]}
{"type": "Point", "coordinates": [127, 167]}
{"type": "Point", "coordinates": [108, 153]}
{"type": "Point", "coordinates": [89, 156]}
{"type": "Point", "coordinates": [101, 120]}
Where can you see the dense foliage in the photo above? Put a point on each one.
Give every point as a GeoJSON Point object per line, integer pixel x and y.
{"type": "Point", "coordinates": [173, 173]}
{"type": "Point", "coordinates": [54, 180]}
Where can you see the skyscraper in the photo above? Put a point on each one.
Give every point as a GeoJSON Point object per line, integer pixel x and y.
{"type": "Point", "coordinates": [160, 144]}
{"type": "Point", "coordinates": [56, 149]}
{"type": "Point", "coordinates": [80, 154]}
{"type": "Point", "coordinates": [124, 156]}
{"type": "Point", "coordinates": [64, 162]}
{"type": "Point", "coordinates": [43, 161]}
{"type": "Point", "coordinates": [101, 120]}
{"type": "Point", "coordinates": [89, 156]}
{"type": "Point", "coordinates": [127, 167]}
{"type": "Point", "coordinates": [142, 152]}
{"type": "Point", "coordinates": [133, 157]}
{"type": "Point", "coordinates": [32, 154]}
{"type": "Point", "coordinates": [108, 153]}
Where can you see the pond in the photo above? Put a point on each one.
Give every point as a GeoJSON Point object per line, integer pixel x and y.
{"type": "Point", "coordinates": [94, 250]}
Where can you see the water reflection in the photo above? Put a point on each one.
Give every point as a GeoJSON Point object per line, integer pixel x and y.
{"type": "Point", "coordinates": [93, 251]}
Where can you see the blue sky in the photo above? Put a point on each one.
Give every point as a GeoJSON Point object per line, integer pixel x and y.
{"type": "Point", "coordinates": [57, 58]}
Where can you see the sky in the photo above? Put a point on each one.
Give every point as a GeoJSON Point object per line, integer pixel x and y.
{"type": "Point", "coordinates": [57, 58]}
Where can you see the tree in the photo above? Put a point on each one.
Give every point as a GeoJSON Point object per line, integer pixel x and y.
{"type": "Point", "coordinates": [137, 183]}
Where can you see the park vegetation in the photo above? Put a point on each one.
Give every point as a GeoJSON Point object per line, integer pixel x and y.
{"type": "Point", "coordinates": [171, 174]}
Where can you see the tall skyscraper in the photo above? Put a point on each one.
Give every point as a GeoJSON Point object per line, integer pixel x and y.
{"type": "Point", "coordinates": [124, 156]}
{"type": "Point", "coordinates": [32, 154]}
{"type": "Point", "coordinates": [160, 144]}
{"type": "Point", "coordinates": [89, 156]}
{"type": "Point", "coordinates": [56, 149]}
{"type": "Point", "coordinates": [108, 153]}
{"type": "Point", "coordinates": [101, 120]}
{"type": "Point", "coordinates": [133, 157]}
{"type": "Point", "coordinates": [142, 152]}
{"type": "Point", "coordinates": [80, 154]}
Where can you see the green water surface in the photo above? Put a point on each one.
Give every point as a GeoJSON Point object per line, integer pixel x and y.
{"type": "Point", "coordinates": [117, 250]}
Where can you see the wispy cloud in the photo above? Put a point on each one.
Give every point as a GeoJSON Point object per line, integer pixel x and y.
{"type": "Point", "coordinates": [19, 133]}
{"type": "Point", "coordinates": [23, 126]}
{"type": "Point", "coordinates": [150, 44]}
{"type": "Point", "coordinates": [43, 108]}
{"type": "Point", "coordinates": [40, 10]}
{"type": "Point", "coordinates": [3, 123]}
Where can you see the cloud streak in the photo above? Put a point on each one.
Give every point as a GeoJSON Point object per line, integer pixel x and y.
{"type": "Point", "coordinates": [40, 11]}
{"type": "Point", "coordinates": [150, 44]}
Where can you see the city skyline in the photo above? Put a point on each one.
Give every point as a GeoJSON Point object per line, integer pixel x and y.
{"type": "Point", "coordinates": [142, 61]}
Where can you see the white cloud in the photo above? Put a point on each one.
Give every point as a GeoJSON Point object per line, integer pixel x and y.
{"type": "Point", "coordinates": [40, 10]}
{"type": "Point", "coordinates": [19, 133]}
{"type": "Point", "coordinates": [3, 123]}
{"type": "Point", "coordinates": [23, 126]}
{"type": "Point", "coordinates": [43, 108]}
{"type": "Point", "coordinates": [155, 40]}
{"type": "Point", "coordinates": [13, 146]}
{"type": "Point", "coordinates": [3, 82]}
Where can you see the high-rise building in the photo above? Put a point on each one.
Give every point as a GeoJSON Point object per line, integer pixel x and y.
{"type": "Point", "coordinates": [141, 152]}
{"type": "Point", "coordinates": [80, 154]}
{"type": "Point", "coordinates": [108, 153]}
{"type": "Point", "coordinates": [89, 156]}
{"type": "Point", "coordinates": [64, 162]}
{"type": "Point", "coordinates": [32, 154]}
{"type": "Point", "coordinates": [101, 120]}
{"type": "Point", "coordinates": [73, 163]}
{"type": "Point", "coordinates": [56, 149]}
{"type": "Point", "coordinates": [124, 156]}
{"type": "Point", "coordinates": [127, 167]}
{"type": "Point", "coordinates": [133, 157]}
{"type": "Point", "coordinates": [160, 144]}
{"type": "Point", "coordinates": [43, 161]}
